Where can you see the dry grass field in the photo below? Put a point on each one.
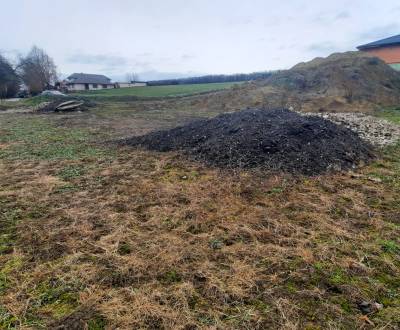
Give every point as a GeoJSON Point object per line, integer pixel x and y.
{"type": "Point", "coordinates": [97, 236]}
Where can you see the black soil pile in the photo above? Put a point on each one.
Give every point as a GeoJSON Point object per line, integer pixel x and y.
{"type": "Point", "coordinates": [274, 139]}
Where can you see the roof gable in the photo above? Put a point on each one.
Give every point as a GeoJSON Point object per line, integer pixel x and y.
{"type": "Point", "coordinates": [395, 40]}
{"type": "Point", "coordinates": [87, 78]}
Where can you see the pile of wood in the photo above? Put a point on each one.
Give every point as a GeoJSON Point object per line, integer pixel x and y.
{"type": "Point", "coordinates": [69, 105]}
{"type": "Point", "coordinates": [63, 106]}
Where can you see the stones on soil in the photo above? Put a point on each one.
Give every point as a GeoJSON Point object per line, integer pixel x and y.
{"type": "Point", "coordinates": [276, 139]}
{"type": "Point", "coordinates": [376, 131]}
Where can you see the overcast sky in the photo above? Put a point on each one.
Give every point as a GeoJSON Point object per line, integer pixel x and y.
{"type": "Point", "coordinates": [163, 38]}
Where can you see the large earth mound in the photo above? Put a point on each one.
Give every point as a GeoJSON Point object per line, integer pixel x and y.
{"type": "Point", "coordinates": [343, 82]}
{"type": "Point", "coordinates": [275, 139]}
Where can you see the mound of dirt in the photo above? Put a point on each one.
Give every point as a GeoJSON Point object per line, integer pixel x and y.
{"type": "Point", "coordinates": [341, 80]}
{"type": "Point", "coordinates": [275, 139]}
{"type": "Point", "coordinates": [345, 82]}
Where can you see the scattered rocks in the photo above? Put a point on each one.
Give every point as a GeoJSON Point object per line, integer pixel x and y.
{"type": "Point", "coordinates": [376, 131]}
{"type": "Point", "coordinates": [276, 139]}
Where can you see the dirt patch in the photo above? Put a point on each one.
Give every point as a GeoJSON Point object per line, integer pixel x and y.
{"type": "Point", "coordinates": [378, 132]}
{"type": "Point", "coordinates": [275, 139]}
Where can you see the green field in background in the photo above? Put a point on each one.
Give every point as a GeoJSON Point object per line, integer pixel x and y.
{"type": "Point", "coordinates": [158, 91]}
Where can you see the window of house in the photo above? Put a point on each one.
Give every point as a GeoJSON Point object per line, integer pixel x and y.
{"type": "Point", "coordinates": [94, 85]}
{"type": "Point", "coordinates": [104, 86]}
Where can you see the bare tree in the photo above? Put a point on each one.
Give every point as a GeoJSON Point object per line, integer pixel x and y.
{"type": "Point", "coordinates": [9, 81]}
{"type": "Point", "coordinates": [131, 76]}
{"type": "Point", "coordinates": [37, 70]}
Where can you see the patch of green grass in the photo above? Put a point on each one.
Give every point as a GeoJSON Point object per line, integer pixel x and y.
{"type": "Point", "coordinates": [35, 100]}
{"type": "Point", "coordinates": [7, 320]}
{"type": "Point", "coordinates": [216, 243]}
{"type": "Point", "coordinates": [97, 323]}
{"type": "Point", "coordinates": [206, 319]}
{"type": "Point", "coordinates": [392, 115]}
{"type": "Point", "coordinates": [343, 303]}
{"type": "Point", "coordinates": [338, 277]}
{"type": "Point", "coordinates": [36, 138]}
{"type": "Point", "coordinates": [158, 91]}
{"type": "Point", "coordinates": [390, 247]}
{"type": "Point", "coordinates": [124, 248]}
{"type": "Point", "coordinates": [71, 172]}
{"type": "Point", "coordinates": [9, 216]}
{"type": "Point", "coordinates": [11, 266]}
{"type": "Point", "coordinates": [65, 189]}
{"type": "Point", "coordinates": [26, 102]}
{"type": "Point", "coordinates": [55, 297]}
{"type": "Point", "coordinates": [291, 287]}
{"type": "Point", "coordinates": [171, 276]}
{"type": "Point", "coordinates": [275, 190]}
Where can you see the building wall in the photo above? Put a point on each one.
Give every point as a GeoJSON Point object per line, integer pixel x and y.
{"type": "Point", "coordinates": [76, 87]}
{"type": "Point", "coordinates": [137, 84]}
{"type": "Point", "coordinates": [81, 87]}
{"type": "Point", "coordinates": [390, 55]}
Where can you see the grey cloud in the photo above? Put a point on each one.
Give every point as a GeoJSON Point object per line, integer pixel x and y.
{"type": "Point", "coordinates": [240, 21]}
{"type": "Point", "coordinates": [187, 57]}
{"type": "Point", "coordinates": [159, 75]}
{"type": "Point", "coordinates": [328, 18]}
{"type": "Point", "coordinates": [322, 47]}
{"type": "Point", "coordinates": [99, 59]}
{"type": "Point", "coordinates": [342, 15]}
{"type": "Point", "coordinates": [144, 54]}
{"type": "Point", "coordinates": [131, 41]}
{"type": "Point", "coordinates": [378, 32]}
{"type": "Point", "coordinates": [288, 46]}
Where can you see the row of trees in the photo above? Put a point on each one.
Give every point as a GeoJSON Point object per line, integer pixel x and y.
{"type": "Point", "coordinates": [213, 79]}
{"type": "Point", "coordinates": [36, 71]}
{"type": "Point", "coordinates": [9, 82]}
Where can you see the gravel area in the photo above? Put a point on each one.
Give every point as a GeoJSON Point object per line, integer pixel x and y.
{"type": "Point", "coordinates": [378, 132]}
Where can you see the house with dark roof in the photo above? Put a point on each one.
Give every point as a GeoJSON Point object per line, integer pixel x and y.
{"type": "Point", "coordinates": [86, 81]}
{"type": "Point", "coordinates": [387, 49]}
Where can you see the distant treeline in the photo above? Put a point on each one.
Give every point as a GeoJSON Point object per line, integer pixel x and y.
{"type": "Point", "coordinates": [213, 79]}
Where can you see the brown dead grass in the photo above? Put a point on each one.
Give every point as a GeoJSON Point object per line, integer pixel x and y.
{"type": "Point", "coordinates": [202, 248]}
{"type": "Point", "coordinates": [152, 241]}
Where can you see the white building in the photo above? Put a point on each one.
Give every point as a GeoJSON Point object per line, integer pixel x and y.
{"type": "Point", "coordinates": [86, 81]}
{"type": "Point", "coordinates": [130, 84]}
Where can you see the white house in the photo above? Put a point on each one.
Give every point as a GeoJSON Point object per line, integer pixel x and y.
{"type": "Point", "coordinates": [86, 81]}
{"type": "Point", "coordinates": [130, 84]}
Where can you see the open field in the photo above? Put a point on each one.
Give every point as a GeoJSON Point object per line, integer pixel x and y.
{"type": "Point", "coordinates": [158, 91]}
{"type": "Point", "coordinates": [97, 236]}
